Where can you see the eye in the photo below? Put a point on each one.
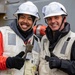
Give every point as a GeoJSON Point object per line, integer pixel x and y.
{"type": "Point", "coordinates": [56, 17]}
{"type": "Point", "coordinates": [49, 18]}
{"type": "Point", "coordinates": [29, 18]}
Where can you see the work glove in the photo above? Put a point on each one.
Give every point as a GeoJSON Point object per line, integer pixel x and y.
{"type": "Point", "coordinates": [54, 61]}
{"type": "Point", "coordinates": [16, 62]}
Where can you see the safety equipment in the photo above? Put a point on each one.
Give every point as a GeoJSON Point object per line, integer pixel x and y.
{"type": "Point", "coordinates": [15, 62]}
{"type": "Point", "coordinates": [28, 8]}
{"type": "Point", "coordinates": [54, 9]}
{"type": "Point", "coordinates": [54, 61]}
{"type": "Point", "coordinates": [39, 29]}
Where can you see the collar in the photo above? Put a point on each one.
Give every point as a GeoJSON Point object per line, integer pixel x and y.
{"type": "Point", "coordinates": [14, 27]}
{"type": "Point", "coordinates": [58, 34]}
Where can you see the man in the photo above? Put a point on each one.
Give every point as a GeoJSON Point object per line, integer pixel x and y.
{"type": "Point", "coordinates": [58, 45]}
{"type": "Point", "coordinates": [19, 47]}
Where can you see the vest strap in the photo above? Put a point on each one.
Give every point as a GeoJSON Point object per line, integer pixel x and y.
{"type": "Point", "coordinates": [65, 45]}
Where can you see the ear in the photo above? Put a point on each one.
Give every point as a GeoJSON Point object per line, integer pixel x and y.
{"type": "Point", "coordinates": [65, 19]}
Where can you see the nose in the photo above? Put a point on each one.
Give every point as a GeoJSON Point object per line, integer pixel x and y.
{"type": "Point", "coordinates": [25, 20]}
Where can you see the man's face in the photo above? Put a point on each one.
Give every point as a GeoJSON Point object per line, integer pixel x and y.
{"type": "Point", "coordinates": [25, 22]}
{"type": "Point", "coordinates": [54, 22]}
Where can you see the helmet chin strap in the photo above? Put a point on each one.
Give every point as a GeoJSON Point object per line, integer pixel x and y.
{"type": "Point", "coordinates": [33, 24]}
{"type": "Point", "coordinates": [63, 18]}
{"type": "Point", "coordinates": [61, 23]}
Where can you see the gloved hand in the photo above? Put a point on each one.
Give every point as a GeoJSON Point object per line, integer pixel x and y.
{"type": "Point", "coordinates": [15, 62]}
{"type": "Point", "coordinates": [54, 61]}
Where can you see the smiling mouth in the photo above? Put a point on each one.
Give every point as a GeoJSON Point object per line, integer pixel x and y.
{"type": "Point", "coordinates": [54, 25]}
{"type": "Point", "coordinates": [24, 26]}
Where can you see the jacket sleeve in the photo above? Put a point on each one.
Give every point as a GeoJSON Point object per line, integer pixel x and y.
{"type": "Point", "coordinates": [68, 66]}
{"type": "Point", "coordinates": [2, 58]}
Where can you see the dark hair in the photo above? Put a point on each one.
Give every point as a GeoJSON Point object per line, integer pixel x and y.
{"type": "Point", "coordinates": [19, 15]}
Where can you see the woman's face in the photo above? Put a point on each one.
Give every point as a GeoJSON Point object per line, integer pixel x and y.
{"type": "Point", "coordinates": [25, 22]}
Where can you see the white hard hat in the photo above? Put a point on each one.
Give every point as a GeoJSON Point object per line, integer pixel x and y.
{"type": "Point", "coordinates": [28, 8]}
{"type": "Point", "coordinates": [53, 9]}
